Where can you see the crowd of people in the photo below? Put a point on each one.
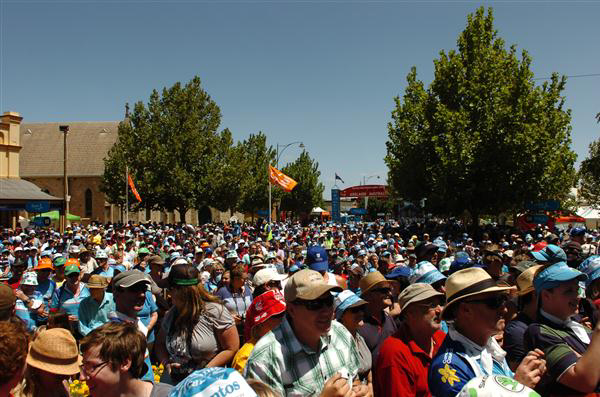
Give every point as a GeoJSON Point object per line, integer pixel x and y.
{"type": "Point", "coordinates": [398, 308]}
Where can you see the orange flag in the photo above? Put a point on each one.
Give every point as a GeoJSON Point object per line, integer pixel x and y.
{"type": "Point", "coordinates": [277, 177]}
{"type": "Point", "coordinates": [133, 189]}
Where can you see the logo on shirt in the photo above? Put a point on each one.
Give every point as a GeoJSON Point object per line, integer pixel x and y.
{"type": "Point", "coordinates": [448, 375]}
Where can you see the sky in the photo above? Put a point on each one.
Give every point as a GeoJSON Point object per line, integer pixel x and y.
{"type": "Point", "coordinates": [324, 73]}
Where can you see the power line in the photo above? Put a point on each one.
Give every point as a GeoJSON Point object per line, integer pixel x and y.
{"type": "Point", "coordinates": [573, 76]}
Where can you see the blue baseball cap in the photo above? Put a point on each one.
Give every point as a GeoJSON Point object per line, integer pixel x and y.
{"type": "Point", "coordinates": [462, 260]}
{"type": "Point", "coordinates": [551, 254]}
{"type": "Point", "coordinates": [316, 258]}
{"type": "Point", "coordinates": [215, 381]}
{"type": "Point", "coordinates": [556, 274]}
{"type": "Point", "coordinates": [399, 271]}
{"type": "Point", "coordinates": [577, 231]}
{"type": "Point", "coordinates": [346, 300]}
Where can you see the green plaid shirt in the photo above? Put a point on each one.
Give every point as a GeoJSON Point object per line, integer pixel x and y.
{"type": "Point", "coordinates": [293, 369]}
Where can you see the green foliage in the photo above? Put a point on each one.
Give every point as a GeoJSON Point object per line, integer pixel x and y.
{"type": "Point", "coordinates": [308, 193]}
{"type": "Point", "coordinates": [377, 206]}
{"type": "Point", "coordinates": [170, 146]}
{"type": "Point", "coordinates": [589, 174]}
{"type": "Point", "coordinates": [255, 159]}
{"type": "Point", "coordinates": [482, 137]}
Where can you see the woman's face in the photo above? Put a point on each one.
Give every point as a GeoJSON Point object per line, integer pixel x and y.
{"type": "Point", "coordinates": [239, 281]}
{"type": "Point", "coordinates": [226, 278]}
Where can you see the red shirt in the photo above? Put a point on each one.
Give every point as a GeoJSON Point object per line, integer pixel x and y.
{"type": "Point", "coordinates": [401, 368]}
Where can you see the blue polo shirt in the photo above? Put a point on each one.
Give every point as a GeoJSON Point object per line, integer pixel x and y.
{"type": "Point", "coordinates": [64, 299]}
{"type": "Point", "coordinates": [146, 313]}
{"type": "Point", "coordinates": [92, 315]}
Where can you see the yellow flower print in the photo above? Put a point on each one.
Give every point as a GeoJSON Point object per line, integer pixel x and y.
{"type": "Point", "coordinates": [448, 375]}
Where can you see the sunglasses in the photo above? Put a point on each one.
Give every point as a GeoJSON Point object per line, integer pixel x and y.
{"type": "Point", "coordinates": [493, 302]}
{"type": "Point", "coordinates": [383, 291]}
{"type": "Point", "coordinates": [316, 304]}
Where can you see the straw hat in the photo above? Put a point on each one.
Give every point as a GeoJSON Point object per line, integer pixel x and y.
{"type": "Point", "coordinates": [469, 282]}
{"type": "Point", "coordinates": [97, 281]}
{"type": "Point", "coordinates": [55, 351]}
{"type": "Point", "coordinates": [525, 280]}
{"type": "Point", "coordinates": [374, 280]}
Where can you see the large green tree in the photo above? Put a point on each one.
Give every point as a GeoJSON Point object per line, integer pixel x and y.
{"type": "Point", "coordinates": [483, 136]}
{"type": "Point", "coordinates": [308, 193]}
{"type": "Point", "coordinates": [170, 146]}
{"type": "Point", "coordinates": [256, 156]}
{"type": "Point", "coordinates": [589, 174]}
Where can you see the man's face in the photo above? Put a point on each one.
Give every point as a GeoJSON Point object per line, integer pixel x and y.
{"type": "Point", "coordinates": [486, 310]}
{"type": "Point", "coordinates": [18, 269]}
{"type": "Point", "coordinates": [43, 274]}
{"type": "Point", "coordinates": [312, 317]}
{"type": "Point", "coordinates": [381, 295]}
{"type": "Point", "coordinates": [131, 299]}
{"type": "Point", "coordinates": [425, 316]}
{"type": "Point", "coordinates": [100, 377]}
{"type": "Point", "coordinates": [562, 301]}
{"type": "Point", "coordinates": [73, 279]}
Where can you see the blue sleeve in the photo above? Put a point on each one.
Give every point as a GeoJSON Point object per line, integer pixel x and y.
{"type": "Point", "coordinates": [151, 302]}
{"type": "Point", "coordinates": [84, 321]}
{"type": "Point", "coordinates": [54, 303]}
{"type": "Point", "coordinates": [448, 374]}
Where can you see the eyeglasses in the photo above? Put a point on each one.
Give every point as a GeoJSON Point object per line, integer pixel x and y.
{"type": "Point", "coordinates": [431, 305]}
{"type": "Point", "coordinates": [89, 368]}
{"type": "Point", "coordinates": [493, 302]}
{"type": "Point", "coordinates": [274, 284]}
{"type": "Point", "coordinates": [316, 304]}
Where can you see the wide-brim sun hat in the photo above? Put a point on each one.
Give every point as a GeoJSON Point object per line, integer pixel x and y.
{"type": "Point", "coordinates": [55, 351]}
{"type": "Point", "coordinates": [525, 280]}
{"type": "Point", "coordinates": [467, 283]}
{"type": "Point", "coordinates": [374, 280]}
{"type": "Point", "coordinates": [417, 292]}
{"type": "Point", "coordinates": [307, 284]}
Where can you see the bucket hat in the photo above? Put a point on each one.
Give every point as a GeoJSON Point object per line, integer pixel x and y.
{"type": "Point", "coordinates": [29, 278]}
{"type": "Point", "coordinates": [426, 272]}
{"type": "Point", "coordinates": [97, 281]}
{"type": "Point", "coordinates": [469, 282]}
{"type": "Point", "coordinates": [346, 300]}
{"type": "Point", "coordinates": [416, 293]}
{"type": "Point", "coordinates": [308, 285]}
{"type": "Point", "coordinates": [55, 351]}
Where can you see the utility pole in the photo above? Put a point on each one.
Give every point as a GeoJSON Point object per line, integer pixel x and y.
{"type": "Point", "coordinates": [65, 130]}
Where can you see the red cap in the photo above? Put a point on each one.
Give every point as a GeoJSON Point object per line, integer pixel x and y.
{"type": "Point", "coordinates": [539, 246]}
{"type": "Point", "coordinates": [263, 307]}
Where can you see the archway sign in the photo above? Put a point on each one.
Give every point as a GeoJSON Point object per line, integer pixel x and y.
{"type": "Point", "coordinates": [365, 191]}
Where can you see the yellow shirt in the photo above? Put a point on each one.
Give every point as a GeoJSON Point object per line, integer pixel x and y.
{"type": "Point", "coordinates": [241, 357]}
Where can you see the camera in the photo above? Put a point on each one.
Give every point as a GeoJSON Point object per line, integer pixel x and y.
{"type": "Point", "coordinates": [63, 128]}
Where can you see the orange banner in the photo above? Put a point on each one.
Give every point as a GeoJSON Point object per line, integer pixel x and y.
{"type": "Point", "coordinates": [133, 189]}
{"type": "Point", "coordinates": [277, 177]}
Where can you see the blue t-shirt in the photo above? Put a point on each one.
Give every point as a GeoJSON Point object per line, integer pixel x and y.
{"type": "Point", "coordinates": [146, 313]}
{"type": "Point", "coordinates": [46, 288]}
{"type": "Point", "coordinates": [110, 273]}
{"type": "Point", "coordinates": [450, 370]}
{"type": "Point", "coordinates": [64, 299]}
{"type": "Point", "coordinates": [236, 303]}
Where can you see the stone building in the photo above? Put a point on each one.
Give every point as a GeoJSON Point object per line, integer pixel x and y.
{"type": "Point", "coordinates": [88, 144]}
{"type": "Point", "coordinates": [17, 194]}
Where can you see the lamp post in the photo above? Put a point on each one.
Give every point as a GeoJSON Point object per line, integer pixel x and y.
{"type": "Point", "coordinates": [278, 154]}
{"type": "Point", "coordinates": [365, 179]}
{"type": "Point", "coordinates": [65, 130]}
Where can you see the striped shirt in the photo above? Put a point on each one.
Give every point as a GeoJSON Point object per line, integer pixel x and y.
{"type": "Point", "coordinates": [281, 361]}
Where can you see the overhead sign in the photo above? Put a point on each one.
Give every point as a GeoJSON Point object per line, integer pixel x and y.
{"type": "Point", "coordinates": [357, 211]}
{"type": "Point", "coordinates": [42, 221]}
{"type": "Point", "coordinates": [546, 205]}
{"type": "Point", "coordinates": [365, 191]}
{"type": "Point", "coordinates": [37, 206]}
{"type": "Point", "coordinates": [335, 205]}
{"type": "Point", "coordinates": [262, 212]}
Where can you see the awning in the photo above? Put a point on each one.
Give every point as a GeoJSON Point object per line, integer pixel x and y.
{"type": "Point", "coordinates": [16, 189]}
{"type": "Point", "coordinates": [55, 215]}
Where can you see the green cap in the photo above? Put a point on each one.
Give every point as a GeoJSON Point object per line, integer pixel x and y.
{"type": "Point", "coordinates": [143, 251]}
{"type": "Point", "coordinates": [60, 261]}
{"type": "Point", "coordinates": [71, 269]}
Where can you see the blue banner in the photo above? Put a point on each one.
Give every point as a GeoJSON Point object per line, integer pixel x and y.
{"type": "Point", "coordinates": [335, 205]}
{"type": "Point", "coordinates": [357, 211]}
{"type": "Point", "coordinates": [37, 206]}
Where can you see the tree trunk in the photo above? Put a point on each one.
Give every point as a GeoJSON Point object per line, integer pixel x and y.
{"type": "Point", "coordinates": [182, 212]}
{"type": "Point", "coordinates": [474, 222]}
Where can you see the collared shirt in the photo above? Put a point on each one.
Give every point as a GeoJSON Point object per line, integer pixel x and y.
{"type": "Point", "coordinates": [118, 317]}
{"type": "Point", "coordinates": [281, 361]}
{"type": "Point", "coordinates": [65, 299]}
{"type": "Point", "coordinates": [92, 315]}
{"type": "Point", "coordinates": [459, 360]}
{"type": "Point", "coordinates": [401, 368]}
{"type": "Point", "coordinates": [375, 332]}
{"type": "Point", "coordinates": [561, 346]}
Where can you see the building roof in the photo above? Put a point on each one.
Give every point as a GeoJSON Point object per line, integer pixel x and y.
{"type": "Point", "coordinates": [19, 189]}
{"type": "Point", "coordinates": [88, 144]}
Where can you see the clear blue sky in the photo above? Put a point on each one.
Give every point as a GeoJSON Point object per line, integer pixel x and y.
{"type": "Point", "coordinates": [322, 72]}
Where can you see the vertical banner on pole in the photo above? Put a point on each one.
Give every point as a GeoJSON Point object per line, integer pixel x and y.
{"type": "Point", "coordinates": [335, 205]}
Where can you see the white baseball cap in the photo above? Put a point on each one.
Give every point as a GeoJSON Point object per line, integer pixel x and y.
{"type": "Point", "coordinates": [263, 276]}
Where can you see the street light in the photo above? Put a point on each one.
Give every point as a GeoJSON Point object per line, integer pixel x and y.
{"type": "Point", "coordinates": [278, 154]}
{"type": "Point", "coordinates": [365, 179]}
